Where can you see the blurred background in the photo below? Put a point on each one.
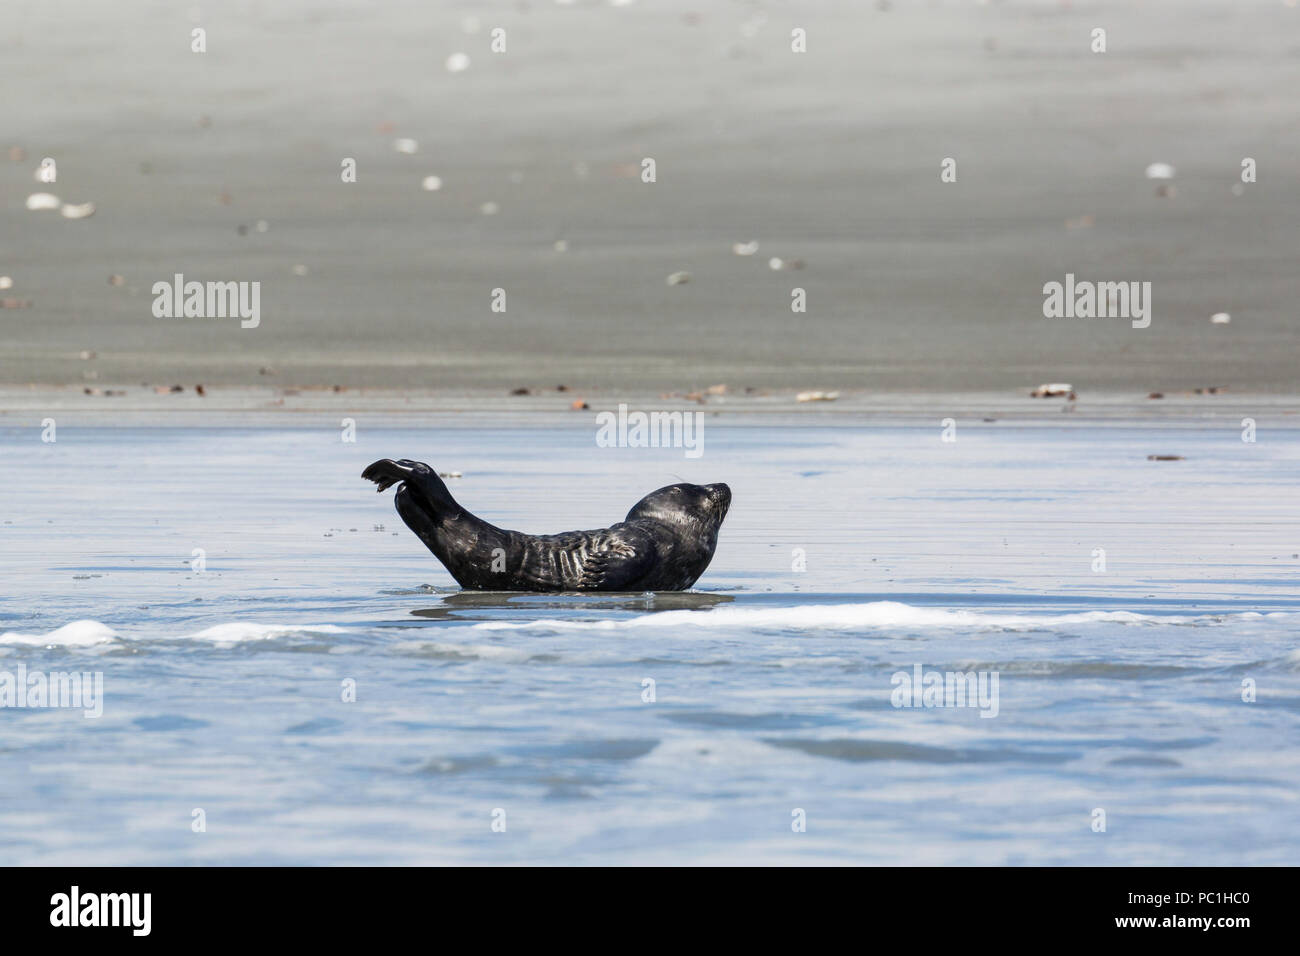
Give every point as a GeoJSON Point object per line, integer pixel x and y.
{"type": "Point", "coordinates": [521, 170]}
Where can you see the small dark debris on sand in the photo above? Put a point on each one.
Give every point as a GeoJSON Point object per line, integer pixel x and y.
{"type": "Point", "coordinates": [1165, 458]}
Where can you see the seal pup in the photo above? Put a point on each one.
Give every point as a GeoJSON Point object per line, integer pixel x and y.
{"type": "Point", "coordinates": [664, 544]}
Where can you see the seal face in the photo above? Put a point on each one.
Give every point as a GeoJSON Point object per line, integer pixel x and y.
{"type": "Point", "coordinates": [664, 544]}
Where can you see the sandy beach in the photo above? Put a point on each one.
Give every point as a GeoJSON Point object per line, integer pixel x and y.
{"type": "Point", "coordinates": [830, 159]}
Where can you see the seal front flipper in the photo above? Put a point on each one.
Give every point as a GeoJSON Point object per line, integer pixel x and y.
{"type": "Point", "coordinates": [617, 562]}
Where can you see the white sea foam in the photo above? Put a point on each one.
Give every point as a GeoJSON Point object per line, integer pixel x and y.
{"type": "Point", "coordinates": [827, 617]}
{"type": "Point", "coordinates": [239, 631]}
{"type": "Point", "coordinates": [76, 634]}
{"type": "Point", "coordinates": [876, 614]}
{"type": "Point", "coordinates": [88, 633]}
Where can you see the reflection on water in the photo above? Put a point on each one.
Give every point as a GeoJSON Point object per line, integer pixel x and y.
{"type": "Point", "coordinates": [453, 605]}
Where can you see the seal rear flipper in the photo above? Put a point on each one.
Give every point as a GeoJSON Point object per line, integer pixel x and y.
{"type": "Point", "coordinates": [385, 473]}
{"type": "Point", "coordinates": [420, 477]}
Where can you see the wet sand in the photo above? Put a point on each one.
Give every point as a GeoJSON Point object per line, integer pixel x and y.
{"type": "Point", "coordinates": [831, 157]}
{"type": "Point", "coordinates": [27, 407]}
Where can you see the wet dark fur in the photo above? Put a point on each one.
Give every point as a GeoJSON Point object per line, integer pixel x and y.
{"type": "Point", "coordinates": [664, 544]}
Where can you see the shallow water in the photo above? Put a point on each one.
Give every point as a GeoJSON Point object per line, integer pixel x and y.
{"type": "Point", "coordinates": [1119, 690]}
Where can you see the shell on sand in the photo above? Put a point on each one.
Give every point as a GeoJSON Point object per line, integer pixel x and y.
{"type": "Point", "coordinates": [82, 211]}
{"type": "Point", "coordinates": [1160, 171]}
{"type": "Point", "coordinates": [1052, 390]}
{"type": "Point", "coordinates": [816, 396]}
{"type": "Point", "coordinates": [1221, 318]}
{"type": "Point", "coordinates": [678, 278]}
{"type": "Point", "coordinates": [41, 201]}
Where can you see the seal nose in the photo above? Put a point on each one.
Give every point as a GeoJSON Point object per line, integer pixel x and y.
{"type": "Point", "coordinates": [721, 495]}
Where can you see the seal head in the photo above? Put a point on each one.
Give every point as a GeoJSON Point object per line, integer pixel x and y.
{"type": "Point", "coordinates": [664, 544]}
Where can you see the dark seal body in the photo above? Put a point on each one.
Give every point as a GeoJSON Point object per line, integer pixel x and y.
{"type": "Point", "coordinates": [664, 544]}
